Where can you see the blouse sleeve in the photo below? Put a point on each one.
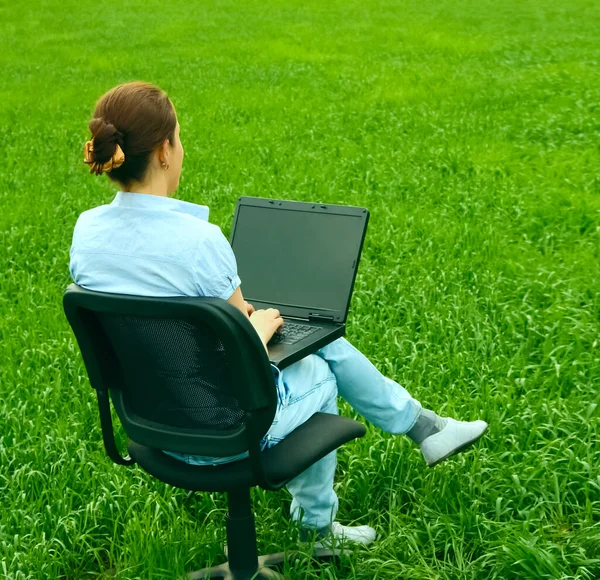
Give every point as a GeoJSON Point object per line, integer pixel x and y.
{"type": "Point", "coordinates": [216, 269]}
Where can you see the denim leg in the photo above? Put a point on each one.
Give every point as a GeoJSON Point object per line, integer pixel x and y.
{"type": "Point", "coordinates": [380, 400]}
{"type": "Point", "coordinates": [308, 387]}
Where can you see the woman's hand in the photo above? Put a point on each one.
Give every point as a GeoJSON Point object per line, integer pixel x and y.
{"type": "Point", "coordinates": [266, 322]}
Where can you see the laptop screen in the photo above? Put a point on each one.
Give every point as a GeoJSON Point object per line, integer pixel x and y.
{"type": "Point", "coordinates": [293, 256]}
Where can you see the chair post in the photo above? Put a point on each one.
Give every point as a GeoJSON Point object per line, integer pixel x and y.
{"type": "Point", "coordinates": [242, 552]}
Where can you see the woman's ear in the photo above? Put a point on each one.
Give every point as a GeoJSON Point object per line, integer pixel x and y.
{"type": "Point", "coordinates": [163, 153]}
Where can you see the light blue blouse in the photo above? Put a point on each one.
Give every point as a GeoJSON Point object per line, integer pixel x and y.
{"type": "Point", "coordinates": [147, 245]}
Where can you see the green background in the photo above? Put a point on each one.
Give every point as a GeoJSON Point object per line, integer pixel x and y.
{"type": "Point", "coordinates": [471, 131]}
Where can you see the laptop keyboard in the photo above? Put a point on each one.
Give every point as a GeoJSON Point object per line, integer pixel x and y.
{"type": "Point", "coordinates": [292, 332]}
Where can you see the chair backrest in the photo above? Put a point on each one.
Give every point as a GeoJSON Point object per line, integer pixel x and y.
{"type": "Point", "coordinates": [187, 375]}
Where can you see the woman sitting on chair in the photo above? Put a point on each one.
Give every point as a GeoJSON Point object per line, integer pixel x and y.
{"type": "Point", "coordinates": [147, 243]}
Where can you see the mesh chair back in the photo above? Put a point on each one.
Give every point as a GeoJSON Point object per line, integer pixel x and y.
{"type": "Point", "coordinates": [175, 372]}
{"type": "Point", "coordinates": [185, 374]}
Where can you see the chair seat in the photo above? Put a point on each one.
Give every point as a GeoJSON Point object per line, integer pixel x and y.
{"type": "Point", "coordinates": [320, 435]}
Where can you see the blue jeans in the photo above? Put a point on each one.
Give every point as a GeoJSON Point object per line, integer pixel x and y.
{"type": "Point", "coordinates": [312, 385]}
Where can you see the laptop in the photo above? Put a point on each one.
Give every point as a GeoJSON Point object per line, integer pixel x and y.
{"type": "Point", "coordinates": [301, 258]}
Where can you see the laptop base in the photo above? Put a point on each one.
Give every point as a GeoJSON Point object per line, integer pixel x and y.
{"type": "Point", "coordinates": [283, 355]}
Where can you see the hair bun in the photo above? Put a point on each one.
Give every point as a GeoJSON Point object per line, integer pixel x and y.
{"type": "Point", "coordinates": [105, 137]}
{"type": "Point", "coordinates": [103, 152]}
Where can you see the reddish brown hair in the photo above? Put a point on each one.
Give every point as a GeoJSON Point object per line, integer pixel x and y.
{"type": "Point", "coordinates": [136, 116]}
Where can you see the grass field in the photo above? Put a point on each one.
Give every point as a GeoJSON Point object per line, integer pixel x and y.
{"type": "Point", "coordinates": [471, 131]}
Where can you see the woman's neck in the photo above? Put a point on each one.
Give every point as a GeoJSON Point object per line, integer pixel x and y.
{"type": "Point", "coordinates": [155, 185]}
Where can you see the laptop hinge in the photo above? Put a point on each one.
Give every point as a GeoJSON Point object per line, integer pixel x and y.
{"type": "Point", "coordinates": [320, 317]}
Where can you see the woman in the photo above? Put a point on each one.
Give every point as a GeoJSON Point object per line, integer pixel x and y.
{"type": "Point", "coordinates": [147, 243]}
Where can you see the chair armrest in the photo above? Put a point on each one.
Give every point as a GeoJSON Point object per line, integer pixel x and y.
{"type": "Point", "coordinates": [304, 446]}
{"type": "Point", "coordinates": [108, 435]}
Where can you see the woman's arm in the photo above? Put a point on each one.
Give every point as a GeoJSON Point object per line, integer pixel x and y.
{"type": "Point", "coordinates": [266, 322]}
{"type": "Point", "coordinates": [238, 301]}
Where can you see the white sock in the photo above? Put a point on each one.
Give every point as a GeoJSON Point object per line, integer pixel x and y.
{"type": "Point", "coordinates": [427, 424]}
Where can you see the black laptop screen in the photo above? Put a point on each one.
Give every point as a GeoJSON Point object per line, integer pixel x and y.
{"type": "Point", "coordinates": [297, 258]}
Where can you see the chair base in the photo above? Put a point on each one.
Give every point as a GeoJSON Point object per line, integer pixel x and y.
{"type": "Point", "coordinates": [223, 571]}
{"type": "Point", "coordinates": [264, 572]}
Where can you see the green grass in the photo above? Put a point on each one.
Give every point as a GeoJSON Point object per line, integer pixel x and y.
{"type": "Point", "coordinates": [471, 131]}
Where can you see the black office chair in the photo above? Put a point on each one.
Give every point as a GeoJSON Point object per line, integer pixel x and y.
{"type": "Point", "coordinates": [190, 375]}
